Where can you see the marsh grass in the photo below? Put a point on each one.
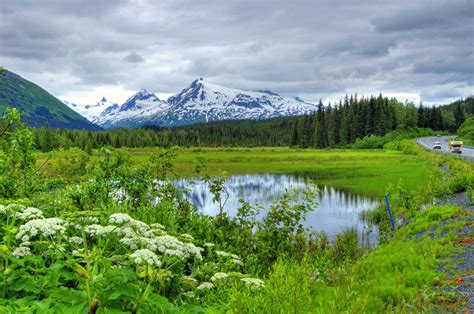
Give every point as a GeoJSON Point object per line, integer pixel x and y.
{"type": "Point", "coordinates": [367, 172]}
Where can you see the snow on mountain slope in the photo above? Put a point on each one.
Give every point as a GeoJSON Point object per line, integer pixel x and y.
{"type": "Point", "coordinates": [90, 112]}
{"type": "Point", "coordinates": [203, 102]}
{"type": "Point", "coordinates": [136, 111]}
{"type": "Point", "coordinates": [200, 102]}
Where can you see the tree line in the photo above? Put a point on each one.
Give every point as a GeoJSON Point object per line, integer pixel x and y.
{"type": "Point", "coordinates": [354, 118]}
{"type": "Point", "coordinates": [333, 125]}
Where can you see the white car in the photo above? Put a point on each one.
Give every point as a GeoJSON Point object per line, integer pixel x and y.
{"type": "Point", "coordinates": [436, 145]}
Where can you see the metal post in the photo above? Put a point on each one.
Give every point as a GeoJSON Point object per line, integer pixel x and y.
{"type": "Point", "coordinates": [390, 212]}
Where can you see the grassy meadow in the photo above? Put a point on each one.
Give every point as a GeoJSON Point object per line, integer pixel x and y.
{"type": "Point", "coordinates": [71, 244]}
{"type": "Point", "coordinates": [367, 172]}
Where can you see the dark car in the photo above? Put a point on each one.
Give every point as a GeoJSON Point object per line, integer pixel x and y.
{"type": "Point", "coordinates": [436, 145]}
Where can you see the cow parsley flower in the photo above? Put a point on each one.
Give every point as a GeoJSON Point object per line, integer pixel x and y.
{"type": "Point", "coordinates": [219, 276]}
{"type": "Point", "coordinates": [119, 219]}
{"type": "Point", "coordinates": [208, 245]}
{"type": "Point", "coordinates": [253, 283]}
{"type": "Point", "coordinates": [129, 226]}
{"type": "Point", "coordinates": [234, 258]}
{"type": "Point", "coordinates": [145, 256]}
{"type": "Point", "coordinates": [76, 240]}
{"type": "Point", "coordinates": [222, 253]}
{"type": "Point", "coordinates": [134, 243]}
{"type": "Point", "coordinates": [30, 213]}
{"type": "Point", "coordinates": [206, 286]}
{"type": "Point", "coordinates": [98, 230]}
{"type": "Point", "coordinates": [173, 247]}
{"type": "Point", "coordinates": [157, 226]}
{"type": "Point", "coordinates": [47, 227]}
{"type": "Point", "coordinates": [21, 251]}
{"type": "Point", "coordinates": [189, 294]}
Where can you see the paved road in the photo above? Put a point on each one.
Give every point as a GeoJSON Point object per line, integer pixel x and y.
{"type": "Point", "coordinates": [427, 142]}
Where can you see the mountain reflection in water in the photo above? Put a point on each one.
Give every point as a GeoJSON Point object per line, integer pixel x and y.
{"type": "Point", "coordinates": [337, 209]}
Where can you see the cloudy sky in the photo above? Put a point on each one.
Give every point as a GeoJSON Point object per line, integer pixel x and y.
{"type": "Point", "coordinates": [83, 50]}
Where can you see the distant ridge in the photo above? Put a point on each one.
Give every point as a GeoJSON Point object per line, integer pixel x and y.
{"type": "Point", "coordinates": [200, 102]}
{"type": "Point", "coordinates": [38, 107]}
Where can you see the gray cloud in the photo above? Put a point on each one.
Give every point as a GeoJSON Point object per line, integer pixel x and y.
{"type": "Point", "coordinates": [313, 48]}
{"type": "Point", "coordinates": [134, 58]}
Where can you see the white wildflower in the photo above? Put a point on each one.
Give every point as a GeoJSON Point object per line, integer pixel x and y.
{"type": "Point", "coordinates": [30, 213]}
{"type": "Point", "coordinates": [46, 227]}
{"type": "Point", "coordinates": [129, 226]}
{"type": "Point", "coordinates": [3, 209]}
{"type": "Point", "coordinates": [134, 243]}
{"type": "Point", "coordinates": [77, 252]}
{"type": "Point", "coordinates": [76, 240]}
{"type": "Point", "coordinates": [98, 230]}
{"type": "Point", "coordinates": [21, 251]}
{"type": "Point", "coordinates": [11, 208]}
{"type": "Point", "coordinates": [235, 259]}
{"type": "Point", "coordinates": [253, 283]}
{"type": "Point", "coordinates": [189, 294]}
{"type": "Point", "coordinates": [206, 286]}
{"type": "Point", "coordinates": [209, 245]}
{"type": "Point", "coordinates": [173, 247]}
{"type": "Point", "coordinates": [219, 276]}
{"type": "Point", "coordinates": [119, 219]}
{"type": "Point", "coordinates": [157, 226]}
{"type": "Point", "coordinates": [145, 256]}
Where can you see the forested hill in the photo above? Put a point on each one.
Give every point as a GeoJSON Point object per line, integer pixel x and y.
{"type": "Point", "coordinates": [38, 107]}
{"type": "Point", "coordinates": [331, 126]}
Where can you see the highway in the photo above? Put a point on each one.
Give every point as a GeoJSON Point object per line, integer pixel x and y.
{"type": "Point", "coordinates": [427, 142]}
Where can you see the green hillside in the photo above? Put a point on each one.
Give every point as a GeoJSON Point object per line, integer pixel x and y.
{"type": "Point", "coordinates": [38, 107]}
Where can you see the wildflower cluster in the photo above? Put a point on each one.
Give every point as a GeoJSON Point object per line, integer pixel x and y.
{"type": "Point", "coordinates": [145, 256]}
{"type": "Point", "coordinates": [253, 283]}
{"type": "Point", "coordinates": [30, 213]}
{"type": "Point", "coordinates": [133, 243]}
{"type": "Point", "coordinates": [206, 286]}
{"type": "Point", "coordinates": [173, 247]}
{"type": "Point", "coordinates": [234, 258]}
{"type": "Point", "coordinates": [21, 251]}
{"type": "Point", "coordinates": [219, 276]}
{"type": "Point", "coordinates": [21, 212]}
{"type": "Point", "coordinates": [46, 227]}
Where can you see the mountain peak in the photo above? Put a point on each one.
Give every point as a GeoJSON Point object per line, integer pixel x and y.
{"type": "Point", "coordinates": [103, 99]}
{"type": "Point", "coordinates": [268, 92]}
{"type": "Point", "coordinates": [197, 83]}
{"type": "Point", "coordinates": [143, 91]}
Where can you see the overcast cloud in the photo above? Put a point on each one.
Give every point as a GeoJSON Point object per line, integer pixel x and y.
{"type": "Point", "coordinates": [83, 50]}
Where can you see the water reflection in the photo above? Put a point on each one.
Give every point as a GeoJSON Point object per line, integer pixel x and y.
{"type": "Point", "coordinates": [337, 209]}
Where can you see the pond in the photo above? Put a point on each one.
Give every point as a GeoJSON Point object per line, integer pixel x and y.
{"type": "Point", "coordinates": [337, 210]}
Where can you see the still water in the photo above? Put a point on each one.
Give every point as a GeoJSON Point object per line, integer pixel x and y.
{"type": "Point", "coordinates": [337, 209]}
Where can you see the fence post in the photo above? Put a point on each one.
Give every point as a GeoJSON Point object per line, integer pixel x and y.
{"type": "Point", "coordinates": [390, 212]}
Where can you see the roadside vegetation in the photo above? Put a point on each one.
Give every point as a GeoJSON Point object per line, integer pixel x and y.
{"type": "Point", "coordinates": [109, 232]}
{"type": "Point", "coordinates": [466, 131]}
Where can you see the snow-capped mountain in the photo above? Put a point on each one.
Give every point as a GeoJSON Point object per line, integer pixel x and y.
{"type": "Point", "coordinates": [204, 102]}
{"type": "Point", "coordinates": [200, 102]}
{"type": "Point", "coordinates": [136, 111]}
{"type": "Point", "coordinates": [91, 112]}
